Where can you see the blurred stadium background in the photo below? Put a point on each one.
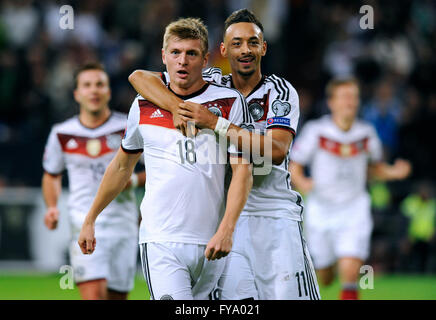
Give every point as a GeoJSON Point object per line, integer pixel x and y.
{"type": "Point", "coordinates": [308, 43]}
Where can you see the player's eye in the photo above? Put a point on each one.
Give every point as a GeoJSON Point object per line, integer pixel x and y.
{"type": "Point", "coordinates": [192, 53]}
{"type": "Point", "coordinates": [236, 43]}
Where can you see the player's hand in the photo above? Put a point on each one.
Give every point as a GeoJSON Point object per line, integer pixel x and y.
{"type": "Point", "coordinates": [179, 123]}
{"type": "Point", "coordinates": [198, 114]}
{"type": "Point", "coordinates": [219, 246]}
{"type": "Point", "coordinates": [51, 218]}
{"type": "Point", "coordinates": [402, 168]}
{"type": "Point", "coordinates": [87, 241]}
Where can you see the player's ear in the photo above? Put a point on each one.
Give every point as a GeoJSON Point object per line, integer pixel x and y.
{"type": "Point", "coordinates": [223, 50]}
{"type": "Point", "coordinates": [264, 46]}
{"type": "Point", "coordinates": [206, 59]}
{"type": "Point", "coordinates": [76, 96]}
{"type": "Point", "coordinates": [163, 56]}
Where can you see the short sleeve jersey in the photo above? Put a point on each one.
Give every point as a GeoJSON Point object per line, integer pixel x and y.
{"type": "Point", "coordinates": [337, 159]}
{"type": "Point", "coordinates": [85, 153]}
{"type": "Point", "coordinates": [273, 104]}
{"type": "Point", "coordinates": [184, 201]}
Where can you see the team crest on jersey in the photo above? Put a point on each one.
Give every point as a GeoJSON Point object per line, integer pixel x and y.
{"type": "Point", "coordinates": [216, 111]}
{"type": "Point", "coordinates": [93, 147]}
{"type": "Point", "coordinates": [113, 141]}
{"type": "Point", "coordinates": [281, 108]}
{"type": "Point", "coordinates": [256, 111]}
{"type": "Point", "coordinates": [72, 144]}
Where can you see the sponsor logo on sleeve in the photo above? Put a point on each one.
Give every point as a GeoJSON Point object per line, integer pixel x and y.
{"type": "Point", "coordinates": [280, 121]}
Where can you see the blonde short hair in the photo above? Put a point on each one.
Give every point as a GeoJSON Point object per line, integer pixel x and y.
{"type": "Point", "coordinates": [187, 28]}
{"type": "Point", "coordinates": [335, 83]}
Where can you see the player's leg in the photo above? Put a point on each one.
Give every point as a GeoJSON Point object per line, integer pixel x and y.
{"type": "Point", "coordinates": [122, 267]}
{"type": "Point", "coordinates": [237, 281]}
{"type": "Point", "coordinates": [352, 244]}
{"type": "Point", "coordinates": [290, 274]}
{"type": "Point", "coordinates": [326, 275]}
{"type": "Point", "coordinates": [205, 275]}
{"type": "Point", "coordinates": [166, 271]}
{"type": "Point", "coordinates": [91, 271]}
{"type": "Point", "coordinates": [349, 272]}
{"type": "Point", "coordinates": [93, 289]}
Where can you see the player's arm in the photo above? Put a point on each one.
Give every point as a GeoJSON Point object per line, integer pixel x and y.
{"type": "Point", "coordinates": [51, 190]}
{"type": "Point", "coordinates": [150, 86]}
{"type": "Point", "coordinates": [114, 180]}
{"type": "Point", "coordinates": [273, 146]}
{"type": "Point", "coordinates": [401, 169]}
{"type": "Point", "coordinates": [301, 182]}
{"type": "Point", "coordinates": [221, 243]}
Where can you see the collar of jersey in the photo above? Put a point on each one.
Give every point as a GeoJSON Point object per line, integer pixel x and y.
{"type": "Point", "coordinates": [257, 86]}
{"type": "Point", "coordinates": [89, 128]}
{"type": "Point", "coordinates": [192, 95]}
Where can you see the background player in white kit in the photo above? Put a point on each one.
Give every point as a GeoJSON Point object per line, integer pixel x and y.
{"type": "Point", "coordinates": [84, 145]}
{"type": "Point", "coordinates": [269, 259]}
{"type": "Point", "coordinates": [182, 234]}
{"type": "Point", "coordinates": [339, 149]}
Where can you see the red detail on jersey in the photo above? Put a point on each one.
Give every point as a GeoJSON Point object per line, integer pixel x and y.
{"type": "Point", "coordinates": [149, 113]}
{"type": "Point", "coordinates": [343, 150]}
{"type": "Point", "coordinates": [224, 105]}
{"type": "Point", "coordinates": [264, 103]}
{"type": "Point", "coordinates": [87, 146]}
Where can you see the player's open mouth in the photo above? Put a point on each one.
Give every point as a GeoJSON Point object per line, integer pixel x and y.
{"type": "Point", "coordinates": [182, 74]}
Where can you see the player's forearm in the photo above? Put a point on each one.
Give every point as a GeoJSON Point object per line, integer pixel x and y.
{"type": "Point", "coordinates": [260, 147]}
{"type": "Point", "coordinates": [239, 189]}
{"type": "Point", "coordinates": [149, 85]}
{"type": "Point", "coordinates": [51, 189]}
{"type": "Point", "coordinates": [114, 180]}
{"type": "Point", "coordinates": [299, 180]}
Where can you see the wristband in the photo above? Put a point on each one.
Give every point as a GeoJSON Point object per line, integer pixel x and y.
{"type": "Point", "coordinates": [222, 125]}
{"type": "Point", "coordinates": [134, 180]}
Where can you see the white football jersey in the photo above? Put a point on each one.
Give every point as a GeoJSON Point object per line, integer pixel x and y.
{"type": "Point", "coordinates": [273, 104]}
{"type": "Point", "coordinates": [184, 201]}
{"type": "Point", "coordinates": [85, 153]}
{"type": "Point", "coordinates": [338, 160]}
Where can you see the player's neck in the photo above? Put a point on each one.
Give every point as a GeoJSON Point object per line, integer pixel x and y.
{"type": "Point", "coordinates": [246, 84]}
{"type": "Point", "coordinates": [344, 124]}
{"type": "Point", "coordinates": [94, 119]}
{"type": "Point", "coordinates": [197, 86]}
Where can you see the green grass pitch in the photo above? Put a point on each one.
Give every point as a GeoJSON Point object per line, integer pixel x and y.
{"type": "Point", "coordinates": [16, 286]}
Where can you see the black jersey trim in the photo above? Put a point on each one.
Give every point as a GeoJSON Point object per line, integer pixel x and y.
{"type": "Point", "coordinates": [131, 151]}
{"type": "Point", "coordinates": [192, 95]}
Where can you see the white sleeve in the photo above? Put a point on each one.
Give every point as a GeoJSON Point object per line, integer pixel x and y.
{"type": "Point", "coordinates": [213, 75]}
{"type": "Point", "coordinates": [132, 141]}
{"type": "Point", "coordinates": [284, 109]}
{"type": "Point", "coordinates": [375, 147]}
{"type": "Point", "coordinates": [305, 145]}
{"type": "Point", "coordinates": [53, 160]}
{"type": "Point", "coordinates": [240, 116]}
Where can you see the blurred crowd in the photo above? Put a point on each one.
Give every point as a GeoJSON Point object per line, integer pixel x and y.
{"type": "Point", "coordinates": [309, 42]}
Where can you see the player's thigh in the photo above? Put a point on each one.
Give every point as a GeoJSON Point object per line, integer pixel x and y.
{"type": "Point", "coordinates": [210, 273]}
{"type": "Point", "coordinates": [122, 264]}
{"type": "Point", "coordinates": [237, 280]}
{"type": "Point", "coordinates": [167, 277]}
{"type": "Point", "coordinates": [93, 266]}
{"type": "Point", "coordinates": [291, 274]}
